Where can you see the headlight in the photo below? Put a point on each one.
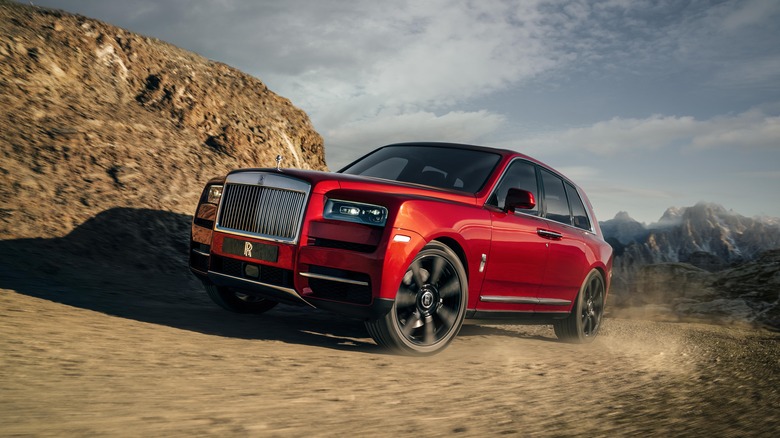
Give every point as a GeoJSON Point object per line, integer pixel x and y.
{"type": "Point", "coordinates": [215, 193]}
{"type": "Point", "coordinates": [355, 212]}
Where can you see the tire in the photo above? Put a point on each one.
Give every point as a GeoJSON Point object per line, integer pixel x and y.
{"type": "Point", "coordinates": [583, 323]}
{"type": "Point", "coordinates": [238, 302]}
{"type": "Point", "coordinates": [429, 307]}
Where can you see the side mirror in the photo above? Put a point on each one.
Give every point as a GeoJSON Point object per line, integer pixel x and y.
{"type": "Point", "coordinates": [518, 198]}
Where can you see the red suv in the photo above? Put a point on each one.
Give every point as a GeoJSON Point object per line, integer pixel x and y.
{"type": "Point", "coordinates": [412, 238]}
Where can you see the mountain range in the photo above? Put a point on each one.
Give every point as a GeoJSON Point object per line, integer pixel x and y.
{"type": "Point", "coordinates": [706, 235]}
{"type": "Point", "coordinates": [698, 258]}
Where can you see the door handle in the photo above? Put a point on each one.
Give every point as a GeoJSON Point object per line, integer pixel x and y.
{"type": "Point", "coordinates": [547, 234]}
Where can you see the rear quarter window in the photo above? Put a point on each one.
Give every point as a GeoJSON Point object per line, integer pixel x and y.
{"type": "Point", "coordinates": [555, 203]}
{"type": "Point", "coordinates": [579, 214]}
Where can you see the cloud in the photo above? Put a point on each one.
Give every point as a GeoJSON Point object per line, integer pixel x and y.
{"type": "Point", "coordinates": [353, 139]}
{"type": "Point", "coordinates": [457, 69]}
{"type": "Point", "coordinates": [417, 55]}
{"type": "Point", "coordinates": [749, 130]}
{"type": "Point", "coordinates": [578, 173]}
{"type": "Point", "coordinates": [732, 45]}
{"type": "Point", "coordinates": [762, 72]}
{"type": "Point", "coordinates": [628, 191]}
{"type": "Point", "coordinates": [749, 13]}
{"type": "Point", "coordinates": [769, 174]}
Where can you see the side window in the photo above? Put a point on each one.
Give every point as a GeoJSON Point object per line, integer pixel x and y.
{"type": "Point", "coordinates": [519, 175]}
{"type": "Point", "coordinates": [578, 211]}
{"type": "Point", "coordinates": [555, 203]}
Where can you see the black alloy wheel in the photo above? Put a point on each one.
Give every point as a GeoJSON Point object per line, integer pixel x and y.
{"type": "Point", "coordinates": [582, 325]}
{"type": "Point", "coordinates": [430, 304]}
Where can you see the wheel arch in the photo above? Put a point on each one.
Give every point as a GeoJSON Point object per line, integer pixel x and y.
{"type": "Point", "coordinates": [457, 248]}
{"type": "Point", "coordinates": [473, 277]}
{"type": "Point", "coordinates": [604, 272]}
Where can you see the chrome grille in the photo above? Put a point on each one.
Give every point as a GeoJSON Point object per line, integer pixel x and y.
{"type": "Point", "coordinates": [262, 211]}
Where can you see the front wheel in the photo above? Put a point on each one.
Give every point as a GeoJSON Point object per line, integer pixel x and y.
{"type": "Point", "coordinates": [429, 307]}
{"type": "Point", "coordinates": [236, 301]}
{"type": "Point", "coordinates": [583, 323]}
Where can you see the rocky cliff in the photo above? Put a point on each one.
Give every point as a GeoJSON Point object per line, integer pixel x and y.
{"type": "Point", "coordinates": [93, 117]}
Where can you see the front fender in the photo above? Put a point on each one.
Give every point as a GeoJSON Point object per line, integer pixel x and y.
{"type": "Point", "coordinates": [399, 255]}
{"type": "Point", "coordinates": [465, 228]}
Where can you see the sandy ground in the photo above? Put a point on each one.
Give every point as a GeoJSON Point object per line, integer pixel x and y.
{"type": "Point", "coordinates": [115, 359]}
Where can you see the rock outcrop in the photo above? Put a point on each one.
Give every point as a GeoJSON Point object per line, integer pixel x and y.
{"type": "Point", "coordinates": [748, 293]}
{"type": "Point", "coordinates": [93, 117]}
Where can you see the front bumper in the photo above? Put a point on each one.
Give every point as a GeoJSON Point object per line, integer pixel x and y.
{"type": "Point", "coordinates": [343, 277]}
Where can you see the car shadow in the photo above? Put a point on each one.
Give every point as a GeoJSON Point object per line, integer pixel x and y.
{"type": "Point", "coordinates": [132, 263]}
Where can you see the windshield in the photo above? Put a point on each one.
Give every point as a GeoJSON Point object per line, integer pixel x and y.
{"type": "Point", "coordinates": [437, 166]}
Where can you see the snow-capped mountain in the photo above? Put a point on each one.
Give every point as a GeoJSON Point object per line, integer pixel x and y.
{"type": "Point", "coordinates": [705, 235]}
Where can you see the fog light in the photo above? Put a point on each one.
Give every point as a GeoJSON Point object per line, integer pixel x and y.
{"type": "Point", "coordinates": [252, 271]}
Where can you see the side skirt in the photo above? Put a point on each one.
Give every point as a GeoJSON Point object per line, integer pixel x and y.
{"type": "Point", "coordinates": [501, 317]}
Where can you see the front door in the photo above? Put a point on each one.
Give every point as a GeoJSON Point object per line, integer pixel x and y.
{"type": "Point", "coordinates": [515, 266]}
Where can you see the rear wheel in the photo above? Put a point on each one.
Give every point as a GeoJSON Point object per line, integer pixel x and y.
{"type": "Point", "coordinates": [429, 307]}
{"type": "Point", "coordinates": [237, 301]}
{"type": "Point", "coordinates": [583, 323]}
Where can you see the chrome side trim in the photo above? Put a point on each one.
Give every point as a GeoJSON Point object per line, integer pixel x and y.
{"type": "Point", "coordinates": [201, 253]}
{"type": "Point", "coordinates": [553, 302]}
{"type": "Point", "coordinates": [286, 290]}
{"type": "Point", "coordinates": [524, 300]}
{"type": "Point", "coordinates": [331, 278]}
{"type": "Point", "coordinates": [504, 299]}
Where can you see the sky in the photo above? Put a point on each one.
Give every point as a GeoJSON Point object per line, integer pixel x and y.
{"type": "Point", "coordinates": [644, 104]}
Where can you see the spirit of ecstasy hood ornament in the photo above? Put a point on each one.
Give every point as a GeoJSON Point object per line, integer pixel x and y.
{"type": "Point", "coordinates": [278, 163]}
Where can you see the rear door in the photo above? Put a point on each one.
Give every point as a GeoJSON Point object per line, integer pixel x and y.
{"type": "Point", "coordinates": [567, 262]}
{"type": "Point", "coordinates": [515, 266]}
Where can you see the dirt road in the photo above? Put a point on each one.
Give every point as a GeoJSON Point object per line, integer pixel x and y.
{"type": "Point", "coordinates": [114, 359]}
